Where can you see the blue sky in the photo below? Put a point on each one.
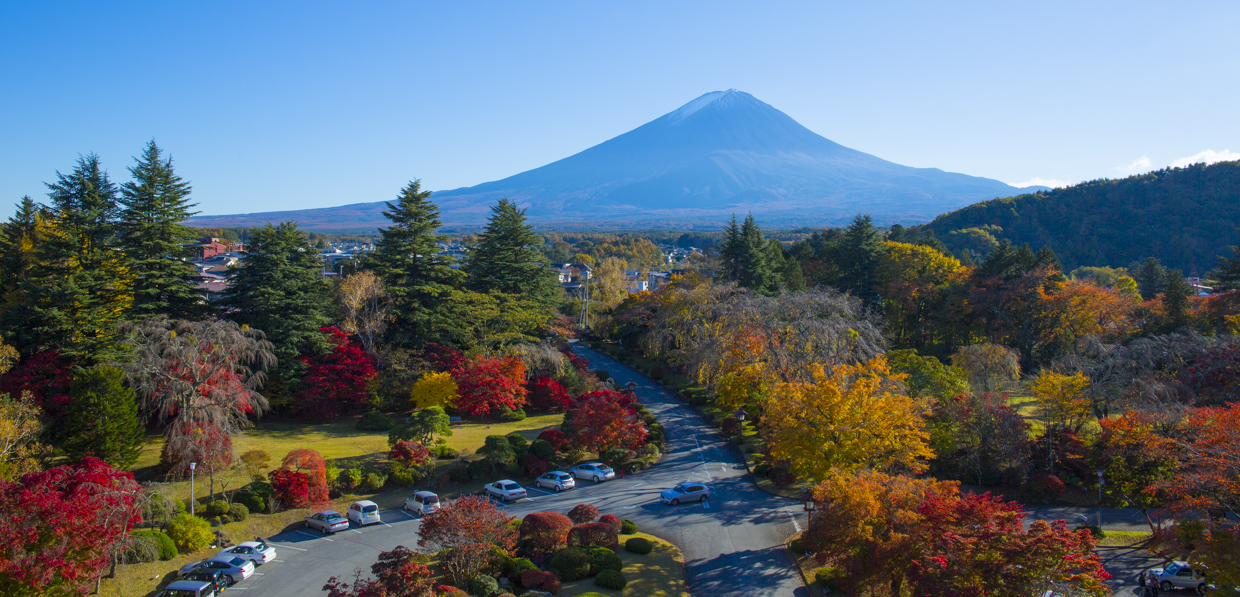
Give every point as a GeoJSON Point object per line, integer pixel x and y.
{"type": "Point", "coordinates": [267, 105]}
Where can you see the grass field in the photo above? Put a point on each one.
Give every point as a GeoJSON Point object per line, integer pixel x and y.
{"type": "Point", "coordinates": [661, 573]}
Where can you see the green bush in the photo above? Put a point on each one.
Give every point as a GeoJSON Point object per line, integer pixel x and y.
{"type": "Point", "coordinates": [826, 576]}
{"type": "Point", "coordinates": [511, 417]}
{"type": "Point", "coordinates": [611, 579]}
{"type": "Point", "coordinates": [189, 532]}
{"type": "Point", "coordinates": [602, 375]}
{"type": "Point", "coordinates": [375, 421]}
{"type": "Point", "coordinates": [446, 453]}
{"type": "Point", "coordinates": [762, 470]}
{"type": "Point", "coordinates": [167, 547]}
{"type": "Point", "coordinates": [356, 477]}
{"type": "Point", "coordinates": [513, 567]}
{"type": "Point", "coordinates": [478, 469]}
{"type": "Point", "coordinates": [216, 508]}
{"type": "Point", "coordinates": [405, 477]}
{"type": "Point", "coordinates": [602, 558]}
{"type": "Point", "coordinates": [519, 444]}
{"type": "Point", "coordinates": [638, 545]}
{"type": "Point", "coordinates": [238, 512]}
{"type": "Point", "coordinates": [797, 546]}
{"type": "Point", "coordinates": [142, 550]}
{"type": "Point", "coordinates": [543, 450]}
{"type": "Point", "coordinates": [252, 502]}
{"type": "Point", "coordinates": [374, 482]}
{"type": "Point", "coordinates": [1093, 530]}
{"type": "Point", "coordinates": [483, 585]}
{"type": "Point", "coordinates": [459, 474]}
{"type": "Point", "coordinates": [627, 527]}
{"type": "Point", "coordinates": [570, 564]}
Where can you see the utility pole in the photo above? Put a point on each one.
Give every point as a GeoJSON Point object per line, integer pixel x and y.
{"type": "Point", "coordinates": [583, 319]}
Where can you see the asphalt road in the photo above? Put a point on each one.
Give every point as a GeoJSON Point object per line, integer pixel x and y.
{"type": "Point", "coordinates": [733, 544]}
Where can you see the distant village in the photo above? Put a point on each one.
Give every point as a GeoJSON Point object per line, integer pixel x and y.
{"type": "Point", "coordinates": [217, 258]}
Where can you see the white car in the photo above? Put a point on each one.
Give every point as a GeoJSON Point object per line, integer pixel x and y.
{"type": "Point", "coordinates": [236, 568]}
{"type": "Point", "coordinates": [594, 471]}
{"type": "Point", "coordinates": [1179, 575]}
{"type": "Point", "coordinates": [556, 480]}
{"type": "Point", "coordinates": [422, 503]}
{"type": "Point", "coordinates": [685, 492]}
{"type": "Point", "coordinates": [327, 521]}
{"type": "Point", "coordinates": [259, 553]}
{"type": "Point", "coordinates": [364, 512]}
{"type": "Point", "coordinates": [504, 490]}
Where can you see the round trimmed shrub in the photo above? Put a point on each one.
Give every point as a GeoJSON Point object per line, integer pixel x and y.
{"type": "Point", "coordinates": [602, 559]}
{"type": "Point", "coordinates": [583, 513]}
{"type": "Point", "coordinates": [446, 452]}
{"type": "Point", "coordinates": [216, 508]}
{"type": "Point", "coordinates": [483, 585]}
{"type": "Point", "coordinates": [375, 421]}
{"type": "Point", "coordinates": [612, 521]}
{"type": "Point", "coordinates": [628, 527]}
{"type": "Point", "coordinates": [142, 550]}
{"type": "Point", "coordinates": [611, 579]}
{"type": "Point", "coordinates": [514, 416]}
{"type": "Point", "coordinates": [544, 533]}
{"type": "Point", "coordinates": [593, 534]}
{"type": "Point", "coordinates": [531, 579]}
{"type": "Point", "coordinates": [189, 532]}
{"type": "Point", "coordinates": [374, 482]}
{"type": "Point", "coordinates": [639, 545]}
{"type": "Point", "coordinates": [602, 375]}
{"type": "Point", "coordinates": [513, 567]}
{"type": "Point", "coordinates": [167, 547]}
{"type": "Point", "coordinates": [543, 450]}
{"type": "Point", "coordinates": [237, 512]}
{"type": "Point", "coordinates": [731, 426]}
{"type": "Point", "coordinates": [570, 564]}
{"type": "Point", "coordinates": [826, 576]}
{"type": "Point", "coordinates": [797, 546]}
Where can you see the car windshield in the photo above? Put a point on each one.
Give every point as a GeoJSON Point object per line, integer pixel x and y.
{"type": "Point", "coordinates": [565, 476]}
{"type": "Point", "coordinates": [261, 547]}
{"type": "Point", "coordinates": [1172, 568]}
{"type": "Point", "coordinates": [369, 509]}
{"type": "Point", "coordinates": [511, 486]}
{"type": "Point", "coordinates": [680, 488]}
{"type": "Point", "coordinates": [238, 562]}
{"type": "Point", "coordinates": [333, 517]}
{"type": "Point", "coordinates": [433, 499]}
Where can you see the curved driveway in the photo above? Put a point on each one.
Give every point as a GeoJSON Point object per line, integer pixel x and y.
{"type": "Point", "coordinates": [733, 544]}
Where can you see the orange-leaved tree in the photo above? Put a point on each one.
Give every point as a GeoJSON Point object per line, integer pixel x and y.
{"type": "Point", "coordinates": [854, 416]}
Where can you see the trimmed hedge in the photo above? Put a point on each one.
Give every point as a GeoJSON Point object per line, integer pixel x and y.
{"type": "Point", "coordinates": [570, 564]}
{"type": "Point", "coordinates": [639, 545]}
{"type": "Point", "coordinates": [612, 521]}
{"type": "Point", "coordinates": [167, 547]}
{"type": "Point", "coordinates": [238, 512]}
{"type": "Point", "coordinates": [189, 532]}
{"type": "Point", "coordinates": [375, 421]}
{"type": "Point", "coordinates": [628, 527]}
{"type": "Point", "coordinates": [602, 559]}
{"type": "Point", "coordinates": [591, 534]}
{"type": "Point", "coordinates": [611, 579]}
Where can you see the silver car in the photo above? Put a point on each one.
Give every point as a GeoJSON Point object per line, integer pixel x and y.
{"type": "Point", "coordinates": [1179, 575]}
{"type": "Point", "coordinates": [236, 568]}
{"type": "Point", "coordinates": [556, 480]}
{"type": "Point", "coordinates": [505, 490]}
{"type": "Point", "coordinates": [594, 471]}
{"type": "Point", "coordinates": [685, 492]}
{"type": "Point", "coordinates": [328, 521]}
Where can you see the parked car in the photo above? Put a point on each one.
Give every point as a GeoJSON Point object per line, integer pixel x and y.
{"type": "Point", "coordinates": [217, 578]}
{"type": "Point", "coordinates": [504, 490]}
{"type": "Point", "coordinates": [189, 588]}
{"type": "Point", "coordinates": [327, 521]}
{"type": "Point", "coordinates": [422, 503]}
{"type": "Point", "coordinates": [685, 492]}
{"type": "Point", "coordinates": [236, 568]}
{"type": "Point", "coordinates": [1179, 575]}
{"type": "Point", "coordinates": [259, 553]}
{"type": "Point", "coordinates": [594, 471]}
{"type": "Point", "coordinates": [364, 512]}
{"type": "Point", "coordinates": [557, 480]}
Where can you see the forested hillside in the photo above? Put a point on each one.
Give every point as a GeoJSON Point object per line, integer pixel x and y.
{"type": "Point", "coordinates": [1185, 217]}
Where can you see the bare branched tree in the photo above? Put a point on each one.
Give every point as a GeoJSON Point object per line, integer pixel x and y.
{"type": "Point", "coordinates": [541, 360]}
{"type": "Point", "coordinates": [365, 308]}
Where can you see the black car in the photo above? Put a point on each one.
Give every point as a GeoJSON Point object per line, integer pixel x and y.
{"type": "Point", "coordinates": [218, 577]}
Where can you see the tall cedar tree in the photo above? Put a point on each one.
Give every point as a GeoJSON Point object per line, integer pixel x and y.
{"type": "Point", "coordinates": [1176, 291]}
{"type": "Point", "coordinates": [860, 251]}
{"type": "Point", "coordinates": [280, 290]}
{"type": "Point", "coordinates": [1226, 274]}
{"type": "Point", "coordinates": [17, 242]}
{"type": "Point", "coordinates": [79, 289]}
{"type": "Point", "coordinates": [747, 259]}
{"type": "Point", "coordinates": [505, 260]}
{"type": "Point", "coordinates": [155, 203]}
{"type": "Point", "coordinates": [103, 418]}
{"type": "Point", "coordinates": [1151, 278]}
{"type": "Point", "coordinates": [406, 258]}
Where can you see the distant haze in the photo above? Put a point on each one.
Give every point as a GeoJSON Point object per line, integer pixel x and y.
{"type": "Point", "coordinates": [725, 152]}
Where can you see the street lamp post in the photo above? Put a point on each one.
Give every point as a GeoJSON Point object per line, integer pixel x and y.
{"type": "Point", "coordinates": [810, 506]}
{"type": "Point", "coordinates": [1099, 501]}
{"type": "Point", "coordinates": [192, 466]}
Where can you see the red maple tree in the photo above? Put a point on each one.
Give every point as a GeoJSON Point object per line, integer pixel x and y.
{"type": "Point", "coordinates": [470, 528]}
{"type": "Point", "coordinates": [486, 386]}
{"type": "Point", "coordinates": [546, 394]}
{"type": "Point", "coordinates": [311, 464]}
{"type": "Point", "coordinates": [47, 377]}
{"type": "Point", "coordinates": [335, 382]}
{"type": "Point", "coordinates": [605, 419]}
{"type": "Point", "coordinates": [396, 574]}
{"type": "Point", "coordinates": [544, 533]}
{"type": "Point", "coordinates": [409, 454]}
{"type": "Point", "coordinates": [293, 488]}
{"type": "Point", "coordinates": [444, 358]}
{"type": "Point", "coordinates": [61, 526]}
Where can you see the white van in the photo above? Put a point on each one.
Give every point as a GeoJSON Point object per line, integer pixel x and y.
{"type": "Point", "coordinates": [189, 588]}
{"type": "Point", "coordinates": [364, 512]}
{"type": "Point", "coordinates": [422, 503]}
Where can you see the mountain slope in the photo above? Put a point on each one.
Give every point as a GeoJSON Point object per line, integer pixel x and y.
{"type": "Point", "coordinates": [1185, 217]}
{"type": "Point", "coordinates": [721, 153]}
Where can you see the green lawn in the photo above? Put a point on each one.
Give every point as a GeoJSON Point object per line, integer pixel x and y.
{"type": "Point", "coordinates": [661, 573]}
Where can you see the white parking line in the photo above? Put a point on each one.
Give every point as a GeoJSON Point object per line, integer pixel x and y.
{"type": "Point", "coordinates": [313, 536]}
{"type": "Point", "coordinates": [356, 531]}
{"type": "Point", "coordinates": [638, 485]}
{"type": "Point", "coordinates": [796, 525]}
{"type": "Point", "coordinates": [706, 504]}
{"type": "Point", "coordinates": [385, 524]}
{"type": "Point", "coordinates": [287, 546]}
{"type": "Point", "coordinates": [538, 490]}
{"type": "Point", "coordinates": [406, 513]}
{"type": "Point", "coordinates": [277, 560]}
{"type": "Point", "coordinates": [237, 589]}
{"type": "Point", "coordinates": [259, 573]}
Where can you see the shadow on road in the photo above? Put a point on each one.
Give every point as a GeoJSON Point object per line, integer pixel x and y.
{"type": "Point", "coordinates": [752, 572]}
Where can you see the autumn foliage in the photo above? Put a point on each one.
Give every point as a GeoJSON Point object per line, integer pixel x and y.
{"type": "Point", "coordinates": [470, 527]}
{"type": "Point", "coordinates": [592, 534]}
{"type": "Point", "coordinates": [60, 526]}
{"type": "Point", "coordinates": [46, 376]}
{"type": "Point", "coordinates": [605, 419]}
{"type": "Point", "coordinates": [487, 386]}
{"type": "Point", "coordinates": [397, 573]}
{"type": "Point", "coordinates": [335, 382]}
{"type": "Point", "coordinates": [583, 513]}
{"type": "Point", "coordinates": [546, 394]}
{"type": "Point", "coordinates": [299, 464]}
{"type": "Point", "coordinates": [409, 454]}
{"type": "Point", "coordinates": [544, 533]}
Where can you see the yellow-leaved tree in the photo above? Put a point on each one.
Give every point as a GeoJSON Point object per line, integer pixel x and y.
{"type": "Point", "coordinates": [853, 417]}
{"type": "Point", "coordinates": [434, 389]}
{"type": "Point", "coordinates": [1061, 398]}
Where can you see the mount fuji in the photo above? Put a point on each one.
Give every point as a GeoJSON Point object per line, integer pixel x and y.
{"type": "Point", "coordinates": [725, 152]}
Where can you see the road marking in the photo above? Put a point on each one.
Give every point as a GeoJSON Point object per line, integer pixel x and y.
{"type": "Point", "coordinates": [258, 573]}
{"type": "Point", "coordinates": [538, 490]}
{"type": "Point", "coordinates": [237, 589]}
{"type": "Point", "coordinates": [406, 513]}
{"type": "Point", "coordinates": [638, 485]}
{"type": "Point", "coordinates": [287, 547]}
{"type": "Point", "coordinates": [277, 560]}
{"type": "Point", "coordinates": [312, 536]}
{"type": "Point", "coordinates": [356, 531]}
{"type": "Point", "coordinates": [385, 524]}
{"type": "Point", "coordinates": [630, 507]}
{"type": "Point", "coordinates": [796, 525]}
{"type": "Point", "coordinates": [706, 504]}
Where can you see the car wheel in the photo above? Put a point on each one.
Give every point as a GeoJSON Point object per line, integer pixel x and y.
{"type": "Point", "coordinates": [596, 478]}
{"type": "Point", "coordinates": [558, 488]}
{"type": "Point", "coordinates": [1165, 585]}
{"type": "Point", "coordinates": [675, 501]}
{"type": "Point", "coordinates": [235, 580]}
{"type": "Point", "coordinates": [323, 530]}
{"type": "Point", "coordinates": [1202, 588]}
{"type": "Point", "coordinates": [703, 498]}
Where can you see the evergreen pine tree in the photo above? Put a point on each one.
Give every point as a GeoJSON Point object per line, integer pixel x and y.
{"type": "Point", "coordinates": [280, 290]}
{"type": "Point", "coordinates": [756, 270]}
{"type": "Point", "coordinates": [103, 418]}
{"type": "Point", "coordinates": [1151, 278]}
{"type": "Point", "coordinates": [1226, 275]}
{"type": "Point", "coordinates": [505, 260]}
{"type": "Point", "coordinates": [155, 203]}
{"type": "Point", "coordinates": [17, 252]}
{"type": "Point", "coordinates": [406, 258]}
{"type": "Point", "coordinates": [79, 288]}
{"type": "Point", "coordinates": [730, 251]}
{"type": "Point", "coordinates": [859, 253]}
{"type": "Point", "coordinates": [786, 268]}
{"type": "Point", "coordinates": [1176, 291]}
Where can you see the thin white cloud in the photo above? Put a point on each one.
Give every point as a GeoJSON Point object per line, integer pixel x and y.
{"type": "Point", "coordinates": [1040, 182]}
{"type": "Point", "coordinates": [1142, 163]}
{"type": "Point", "coordinates": [1208, 156]}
